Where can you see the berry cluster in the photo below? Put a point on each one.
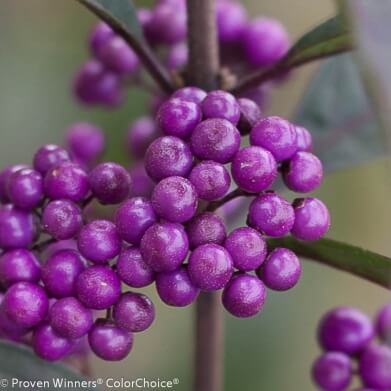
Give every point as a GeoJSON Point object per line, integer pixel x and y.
{"type": "Point", "coordinates": [348, 337]}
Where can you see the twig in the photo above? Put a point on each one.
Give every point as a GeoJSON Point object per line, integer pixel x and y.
{"type": "Point", "coordinates": [230, 196]}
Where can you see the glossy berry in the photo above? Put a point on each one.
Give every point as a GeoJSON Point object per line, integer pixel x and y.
{"type": "Point", "coordinates": [5, 174]}
{"type": "Point", "coordinates": [98, 287]}
{"type": "Point", "coordinates": [271, 215]}
{"type": "Point", "coordinates": [304, 139]}
{"type": "Point", "coordinates": [48, 157]}
{"type": "Point", "coordinates": [110, 342]}
{"type": "Point", "coordinates": [175, 288]}
{"type": "Point", "coordinates": [133, 218]}
{"type": "Point", "coordinates": [221, 104]}
{"type": "Point", "coordinates": [244, 296]}
{"type": "Point", "coordinates": [133, 270]}
{"type": "Point", "coordinates": [140, 134]}
{"type": "Point", "coordinates": [100, 34]}
{"type": "Point", "coordinates": [215, 139]}
{"type": "Point", "coordinates": [60, 272]}
{"type": "Point", "coordinates": [134, 312]}
{"type": "Point", "coordinates": [210, 179]}
{"type": "Point", "coordinates": [25, 304]}
{"type": "Point", "coordinates": [312, 219]}
{"type": "Point", "coordinates": [178, 117]}
{"type": "Point", "coordinates": [246, 247]}
{"type": "Point", "coordinates": [345, 329]}
{"type": "Point", "coordinates": [332, 371]}
{"type": "Point", "coordinates": [177, 56]}
{"type": "Point", "coordinates": [99, 241]}
{"type": "Point", "coordinates": [254, 169]}
{"type": "Point", "coordinates": [164, 246]}
{"type": "Point", "coordinates": [231, 21]}
{"type": "Point", "coordinates": [250, 114]}
{"type": "Point", "coordinates": [206, 227]}
{"type": "Point", "coordinates": [190, 94]}
{"type": "Point", "coordinates": [168, 156]}
{"type": "Point", "coordinates": [110, 183]}
{"type": "Point", "coordinates": [142, 184]}
{"type": "Point", "coordinates": [281, 270]}
{"type": "Point", "coordinates": [383, 323]}
{"type": "Point", "coordinates": [19, 265]}
{"type": "Point", "coordinates": [210, 267]}
{"type": "Point", "coordinates": [67, 180]}
{"type": "Point", "coordinates": [70, 319]}
{"type": "Point", "coordinates": [276, 135]}
{"type": "Point", "coordinates": [48, 345]}
{"type": "Point", "coordinates": [175, 199]}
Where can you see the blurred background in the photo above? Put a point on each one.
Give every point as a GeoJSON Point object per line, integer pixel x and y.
{"type": "Point", "coordinates": [42, 43]}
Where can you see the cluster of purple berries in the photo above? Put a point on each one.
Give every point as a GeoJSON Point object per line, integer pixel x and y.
{"type": "Point", "coordinates": [348, 337]}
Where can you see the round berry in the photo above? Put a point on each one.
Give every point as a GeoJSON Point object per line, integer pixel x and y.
{"type": "Point", "coordinates": [244, 296]}
{"type": "Point", "coordinates": [210, 267]}
{"type": "Point", "coordinates": [271, 215]}
{"type": "Point", "coordinates": [25, 304]}
{"type": "Point", "coordinates": [98, 287]}
{"type": "Point", "coordinates": [134, 312]}
{"type": "Point", "coordinates": [9, 329]}
{"type": "Point", "coordinates": [175, 288]}
{"type": "Point", "coordinates": [60, 272]}
{"type": "Point", "coordinates": [100, 34]}
{"type": "Point", "coordinates": [312, 219]}
{"type": "Point", "coordinates": [206, 227]}
{"type": "Point", "coordinates": [345, 329]}
{"type": "Point", "coordinates": [231, 21]}
{"type": "Point", "coordinates": [191, 94]}
{"type": "Point", "coordinates": [383, 323]}
{"type": "Point", "coordinates": [140, 135]}
{"type": "Point", "coordinates": [250, 114]}
{"type": "Point", "coordinates": [168, 156]}
{"type": "Point", "coordinates": [175, 199]}
{"type": "Point", "coordinates": [221, 104]}
{"type": "Point", "coordinates": [5, 174]}
{"type": "Point", "coordinates": [133, 218]}
{"type": "Point", "coordinates": [48, 157]}
{"type": "Point", "coordinates": [333, 371]}
{"type": "Point", "coordinates": [246, 247]}
{"type": "Point", "coordinates": [67, 180]}
{"type": "Point", "coordinates": [70, 319]}
{"type": "Point", "coordinates": [254, 169]}
{"type": "Point", "coordinates": [48, 345]}
{"type": "Point", "coordinates": [281, 270]}
{"type": "Point", "coordinates": [133, 270]}
{"type": "Point", "coordinates": [374, 367]}
{"type": "Point", "coordinates": [304, 139]}
{"type": "Point", "coordinates": [210, 179]}
{"type": "Point", "coordinates": [99, 241]}
{"type": "Point", "coordinates": [142, 185]}
{"type": "Point", "coordinates": [215, 139]}
{"type": "Point", "coordinates": [110, 342]}
{"type": "Point", "coordinates": [19, 265]}
{"type": "Point", "coordinates": [164, 246]}
{"type": "Point", "coordinates": [178, 117]}
{"type": "Point", "coordinates": [178, 56]}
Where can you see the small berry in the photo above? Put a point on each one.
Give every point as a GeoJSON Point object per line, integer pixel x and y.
{"type": "Point", "coordinates": [304, 139]}
{"type": "Point", "coordinates": [231, 21]}
{"type": "Point", "coordinates": [5, 174]}
{"type": "Point", "coordinates": [100, 34]}
{"type": "Point", "coordinates": [142, 184]}
{"type": "Point", "coordinates": [250, 114]}
{"type": "Point", "coordinates": [221, 104]}
{"type": "Point", "coordinates": [48, 157]}
{"type": "Point", "coordinates": [177, 56]}
{"type": "Point", "coordinates": [140, 135]}
{"type": "Point", "coordinates": [191, 94]}
{"type": "Point", "coordinates": [383, 323]}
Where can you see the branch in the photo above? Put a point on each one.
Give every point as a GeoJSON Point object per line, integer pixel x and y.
{"type": "Point", "coordinates": [212, 206]}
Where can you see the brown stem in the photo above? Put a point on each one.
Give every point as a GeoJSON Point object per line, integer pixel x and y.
{"type": "Point", "coordinates": [230, 196]}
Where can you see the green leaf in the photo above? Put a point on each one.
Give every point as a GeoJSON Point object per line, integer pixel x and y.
{"type": "Point", "coordinates": [362, 263]}
{"type": "Point", "coordinates": [336, 110]}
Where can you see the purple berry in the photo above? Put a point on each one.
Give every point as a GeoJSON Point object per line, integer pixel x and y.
{"type": "Point", "coordinates": [244, 296]}
{"type": "Point", "coordinates": [345, 329]}
{"type": "Point", "coordinates": [271, 215]}
{"type": "Point", "coordinates": [140, 135]}
{"type": "Point", "coordinates": [383, 323]}
{"type": "Point", "coordinates": [210, 179]}
{"type": "Point", "coordinates": [281, 270]}
{"type": "Point", "coordinates": [99, 241]}
{"type": "Point", "coordinates": [134, 312]}
{"type": "Point", "coordinates": [231, 21]}
{"type": "Point", "coordinates": [175, 288]}
{"type": "Point", "coordinates": [67, 180]}
{"type": "Point", "coordinates": [221, 104]}
{"type": "Point", "coordinates": [133, 218]}
{"type": "Point", "coordinates": [168, 156]}
{"type": "Point", "coordinates": [206, 227]}
{"type": "Point", "coordinates": [175, 199]}
{"type": "Point", "coordinates": [9, 329]}
{"type": "Point", "coordinates": [304, 139]}
{"type": "Point", "coordinates": [333, 371]}
{"type": "Point", "coordinates": [48, 157]}
{"type": "Point", "coordinates": [60, 272]}
{"type": "Point", "coordinates": [109, 342]}
{"type": "Point", "coordinates": [312, 219]}
{"type": "Point", "coordinates": [133, 270]}
{"type": "Point", "coordinates": [210, 267]}
{"type": "Point", "coordinates": [254, 169]}
{"type": "Point", "coordinates": [178, 117]}
{"type": "Point", "coordinates": [142, 184]}
{"type": "Point", "coordinates": [191, 94]}
{"type": "Point", "coordinates": [250, 114]}
{"type": "Point", "coordinates": [177, 56]}
{"type": "Point", "coordinates": [5, 174]}
{"type": "Point", "coordinates": [276, 135]}
{"type": "Point", "coordinates": [100, 34]}
{"type": "Point", "coordinates": [98, 287]}
{"type": "Point", "coordinates": [70, 319]}
{"type": "Point", "coordinates": [17, 266]}
{"type": "Point", "coordinates": [215, 139]}
{"type": "Point", "coordinates": [164, 246]}
{"type": "Point", "coordinates": [246, 247]}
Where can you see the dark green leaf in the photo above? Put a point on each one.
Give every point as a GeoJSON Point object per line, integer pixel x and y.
{"type": "Point", "coordinates": [363, 263]}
